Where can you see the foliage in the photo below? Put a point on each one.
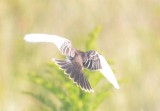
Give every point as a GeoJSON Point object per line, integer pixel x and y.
{"type": "Point", "coordinates": [54, 90]}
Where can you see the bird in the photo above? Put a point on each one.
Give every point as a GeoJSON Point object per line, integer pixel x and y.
{"type": "Point", "coordinates": [76, 60]}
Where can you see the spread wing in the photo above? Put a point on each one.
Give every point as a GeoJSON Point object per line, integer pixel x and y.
{"type": "Point", "coordinates": [74, 71]}
{"type": "Point", "coordinates": [95, 61]}
{"type": "Point", "coordinates": [107, 72]}
{"type": "Point", "coordinates": [92, 61]}
{"type": "Point", "coordinates": [63, 44]}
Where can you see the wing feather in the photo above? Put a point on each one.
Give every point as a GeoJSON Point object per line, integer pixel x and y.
{"type": "Point", "coordinates": [63, 44]}
{"type": "Point", "coordinates": [91, 60]}
{"type": "Point", "coordinates": [94, 61]}
{"type": "Point", "coordinates": [107, 72]}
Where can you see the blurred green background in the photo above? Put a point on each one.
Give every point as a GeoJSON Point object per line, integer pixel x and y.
{"type": "Point", "coordinates": [126, 32]}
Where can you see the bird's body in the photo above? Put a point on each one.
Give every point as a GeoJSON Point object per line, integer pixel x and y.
{"type": "Point", "coordinates": [78, 57]}
{"type": "Point", "coordinates": [73, 66]}
{"type": "Point", "coordinates": [76, 60]}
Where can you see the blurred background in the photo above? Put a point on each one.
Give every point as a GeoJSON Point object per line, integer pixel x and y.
{"type": "Point", "coordinates": [126, 32]}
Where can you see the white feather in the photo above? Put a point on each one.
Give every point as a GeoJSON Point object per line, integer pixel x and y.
{"type": "Point", "coordinates": [107, 72]}
{"type": "Point", "coordinates": [58, 41]}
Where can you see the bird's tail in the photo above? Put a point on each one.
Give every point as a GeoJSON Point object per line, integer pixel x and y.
{"type": "Point", "coordinates": [74, 73]}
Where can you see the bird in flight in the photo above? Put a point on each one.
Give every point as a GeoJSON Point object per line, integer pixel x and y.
{"type": "Point", "coordinates": [76, 60]}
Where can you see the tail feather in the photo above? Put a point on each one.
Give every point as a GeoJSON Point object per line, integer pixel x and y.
{"type": "Point", "coordinates": [72, 75]}
{"type": "Point", "coordinates": [69, 70]}
{"type": "Point", "coordinates": [60, 62]}
{"type": "Point", "coordinates": [75, 73]}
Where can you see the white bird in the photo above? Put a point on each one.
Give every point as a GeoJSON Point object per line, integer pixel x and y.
{"type": "Point", "coordinates": [76, 60]}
